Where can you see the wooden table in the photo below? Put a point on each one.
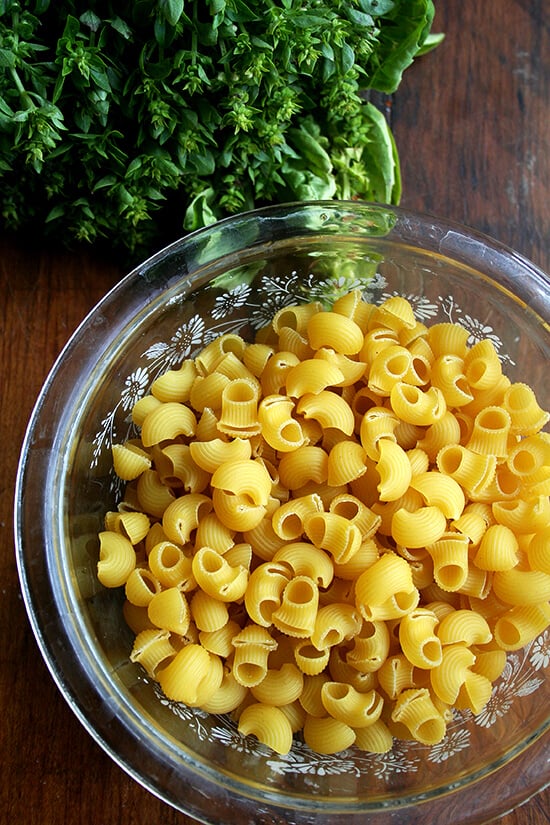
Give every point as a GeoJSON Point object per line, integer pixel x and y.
{"type": "Point", "coordinates": [471, 122]}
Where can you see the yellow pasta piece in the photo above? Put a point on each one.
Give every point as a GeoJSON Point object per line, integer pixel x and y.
{"type": "Point", "coordinates": [394, 470]}
{"type": "Point", "coordinates": [345, 462]}
{"type": "Point", "coordinates": [418, 638]}
{"type": "Point", "coordinates": [527, 417]}
{"type": "Point", "coordinates": [219, 640]}
{"type": "Point", "coordinates": [140, 586]}
{"type": "Point", "coordinates": [521, 624]}
{"type": "Point", "coordinates": [217, 577]}
{"type": "Point", "coordinates": [375, 738]}
{"type": "Point", "coordinates": [209, 613]}
{"type": "Point", "coordinates": [338, 332]}
{"type": "Point", "coordinates": [450, 559]}
{"type": "Point", "coordinates": [519, 587]}
{"type": "Point", "coordinates": [351, 370]}
{"type": "Point", "coordinates": [117, 559]}
{"type": "Point", "coordinates": [490, 433]}
{"type": "Point", "coordinates": [335, 623]}
{"type": "Point", "coordinates": [304, 559]}
{"type": "Point", "coordinates": [134, 526]}
{"type": "Point", "coordinates": [395, 313]}
{"type": "Point", "coordinates": [328, 409]}
{"type": "Point", "coordinates": [498, 549]}
{"type": "Point", "coordinates": [471, 470]}
{"type": "Point", "coordinates": [166, 422]}
{"type": "Point", "coordinates": [346, 704]}
{"type": "Point", "coordinates": [415, 709]}
{"type": "Point", "coordinates": [474, 693]}
{"type": "Point", "coordinates": [356, 512]}
{"type": "Point", "coordinates": [418, 528]}
{"type": "Point", "coordinates": [273, 378]}
{"type": "Point", "coordinates": [169, 610]}
{"type": "Point", "coordinates": [192, 677]}
{"type": "Point", "coordinates": [416, 406]}
{"type": "Point", "coordinates": [268, 724]}
{"type": "Point", "coordinates": [264, 591]}
{"type": "Point", "coordinates": [280, 687]}
{"type": "Point", "coordinates": [371, 646]}
{"type": "Point", "coordinates": [279, 428]}
{"type": "Point", "coordinates": [335, 534]}
{"type": "Point", "coordinates": [327, 735]}
{"type": "Point", "coordinates": [482, 365]}
{"type": "Point", "coordinates": [395, 675]}
{"type": "Point", "coordinates": [182, 516]}
{"type": "Point", "coordinates": [466, 626]}
{"type": "Point", "coordinates": [377, 423]}
{"type": "Point", "coordinates": [249, 479]}
{"type": "Point", "coordinates": [297, 612]}
{"type": "Point", "coordinates": [538, 551]}
{"type": "Point", "coordinates": [523, 516]}
{"type": "Point", "coordinates": [375, 341]}
{"type": "Point", "coordinates": [448, 677]}
{"type": "Point", "coordinates": [441, 491]}
{"type": "Point", "coordinates": [136, 618]}
{"type": "Point", "coordinates": [153, 497]}
{"type": "Point", "coordinates": [440, 434]}
{"type": "Point", "coordinates": [309, 659]}
{"type": "Point", "coordinates": [210, 355]}
{"type": "Point", "coordinates": [129, 461]}
{"type": "Point", "coordinates": [447, 373]}
{"type": "Point", "coordinates": [252, 648]}
{"type": "Point", "coordinates": [386, 589]}
{"type": "Point", "coordinates": [306, 463]}
{"type": "Point", "coordinates": [151, 649]}
{"type": "Point", "coordinates": [392, 364]}
{"type": "Point", "coordinates": [229, 696]}
{"type": "Point", "coordinates": [175, 385]}
{"type": "Point", "coordinates": [311, 376]}
{"type": "Point", "coordinates": [239, 408]}
{"type": "Point", "coordinates": [448, 339]}
{"type": "Point", "coordinates": [289, 520]}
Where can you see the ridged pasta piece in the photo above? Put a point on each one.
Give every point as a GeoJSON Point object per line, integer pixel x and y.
{"type": "Point", "coordinates": [169, 610]}
{"type": "Point", "coordinates": [335, 534]}
{"type": "Point", "coordinates": [136, 617]}
{"type": "Point", "coordinates": [175, 385]}
{"type": "Point", "coordinates": [375, 341]}
{"type": "Point", "coordinates": [442, 491]}
{"type": "Point", "coordinates": [418, 528]}
{"type": "Point", "coordinates": [239, 408]}
{"type": "Point", "coordinates": [153, 497]}
{"type": "Point", "coordinates": [309, 659]}
{"type": "Point", "coordinates": [394, 470]}
{"type": "Point", "coordinates": [192, 677]}
{"type": "Point", "coordinates": [301, 558]}
{"type": "Point", "coordinates": [527, 417]}
{"type": "Point", "coordinates": [310, 700]}
{"type": "Point", "coordinates": [166, 422]}
{"type": "Point", "coordinates": [482, 365]}
{"type": "Point", "coordinates": [395, 313]}
{"type": "Point", "coordinates": [280, 687]}
{"type": "Point", "coordinates": [297, 612]}
{"type": "Point", "coordinates": [375, 738]}
{"type": "Point", "coordinates": [447, 373]}
{"type": "Point", "coordinates": [466, 626]}
{"type": "Point", "coordinates": [523, 516]}
{"type": "Point", "coordinates": [289, 520]}
{"type": "Point", "coordinates": [268, 724]}
{"type": "Point", "coordinates": [132, 525]}
{"type": "Point", "coordinates": [521, 624]}
{"type": "Point", "coordinates": [273, 378]}
{"type": "Point", "coordinates": [390, 365]}
{"type": "Point", "coordinates": [471, 470]}
{"type": "Point", "coordinates": [415, 709]}
{"type": "Point", "coordinates": [290, 340]}
{"type": "Point", "coordinates": [366, 555]}
{"type": "Point", "coordinates": [219, 640]}
{"type": "Point", "coordinates": [371, 646]}
{"type": "Point", "coordinates": [327, 735]}
{"type": "Point", "coordinates": [519, 587]}
{"type": "Point", "coordinates": [177, 469]}
{"type": "Point", "coordinates": [356, 512]}
{"type": "Point", "coordinates": [491, 432]}
{"type": "Point", "coordinates": [353, 305]}
{"type": "Point", "coordinates": [489, 663]}
{"type": "Point", "coordinates": [151, 649]}
{"type": "Point", "coordinates": [418, 638]}
{"type": "Point", "coordinates": [306, 463]}
{"type": "Point", "coordinates": [346, 462]}
{"type": "Point", "coordinates": [229, 696]}
{"type": "Point", "coordinates": [279, 428]}
{"type": "Point", "coordinates": [182, 516]}
{"type": "Point", "coordinates": [346, 704]}
{"type": "Point", "coordinates": [210, 454]}
{"type": "Point", "coordinates": [129, 461]}
{"type": "Point", "coordinates": [351, 369]}
{"type": "Point", "coordinates": [335, 623]}
{"type": "Point", "coordinates": [448, 339]}
{"type": "Point", "coordinates": [493, 396]}
{"type": "Point", "coordinates": [311, 376]}
{"type": "Point", "coordinates": [327, 408]}
{"type": "Point", "coordinates": [217, 577]}
{"type": "Point", "coordinates": [248, 478]}
{"type": "Point", "coordinates": [140, 586]}
{"type": "Point", "coordinates": [474, 693]}
{"type": "Point", "coordinates": [210, 355]}
{"type": "Point", "coordinates": [538, 551]}
{"type": "Point", "coordinates": [498, 549]}
{"type": "Point", "coordinates": [338, 332]}
{"type": "Point", "coordinates": [389, 578]}
{"type": "Point", "coordinates": [448, 677]}
{"type": "Point", "coordinates": [377, 423]}
{"type": "Point", "coordinates": [443, 432]}
{"type": "Point", "coordinates": [416, 406]}
{"type": "Point", "coordinates": [450, 559]}
{"type": "Point", "coordinates": [237, 512]}
{"type": "Point", "coordinates": [264, 591]}
{"type": "Point", "coordinates": [252, 648]}
{"type": "Point", "coordinates": [395, 675]}
{"type": "Point", "coordinates": [143, 407]}
{"type": "Point", "coordinates": [295, 316]}
{"type": "Point", "coordinates": [117, 559]}
{"type": "Point", "coordinates": [208, 612]}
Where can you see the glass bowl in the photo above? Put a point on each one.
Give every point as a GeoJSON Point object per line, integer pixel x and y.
{"type": "Point", "coordinates": [232, 277]}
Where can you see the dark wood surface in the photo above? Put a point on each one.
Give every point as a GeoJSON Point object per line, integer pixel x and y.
{"type": "Point", "coordinates": [472, 124]}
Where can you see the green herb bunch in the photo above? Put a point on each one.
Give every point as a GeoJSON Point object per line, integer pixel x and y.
{"type": "Point", "coordinates": [134, 122]}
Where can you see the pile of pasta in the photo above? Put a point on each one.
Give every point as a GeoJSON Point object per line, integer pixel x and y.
{"type": "Point", "coordinates": [339, 529]}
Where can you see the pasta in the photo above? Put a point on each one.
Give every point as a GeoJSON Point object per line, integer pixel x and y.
{"type": "Point", "coordinates": [337, 530]}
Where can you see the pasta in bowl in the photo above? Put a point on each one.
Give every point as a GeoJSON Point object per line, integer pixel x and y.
{"type": "Point", "coordinates": [298, 559]}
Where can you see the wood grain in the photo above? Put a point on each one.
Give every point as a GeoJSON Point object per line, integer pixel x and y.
{"type": "Point", "coordinates": [471, 122]}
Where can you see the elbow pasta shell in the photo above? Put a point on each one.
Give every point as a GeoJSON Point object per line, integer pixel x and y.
{"type": "Point", "coordinates": [210, 454]}
{"type": "Point", "coordinates": [268, 724]}
{"type": "Point", "coordinates": [217, 578]}
{"type": "Point", "coordinates": [153, 496]}
{"type": "Point", "coordinates": [395, 313]}
{"type": "Point", "coordinates": [182, 516]}
{"type": "Point", "coordinates": [273, 378]}
{"type": "Point", "coordinates": [371, 646]}
{"type": "Point", "coordinates": [335, 623]}
{"type": "Point", "coordinates": [176, 468]}
{"type": "Point", "coordinates": [311, 376]}
{"type": "Point", "coordinates": [447, 373]}
{"type": "Point", "coordinates": [377, 423]}
{"type": "Point", "coordinates": [306, 463]}
{"type": "Point", "coordinates": [143, 407]}
{"type": "Point", "coordinates": [471, 470]}
{"type": "Point", "coordinates": [348, 705]}
{"type": "Point", "coordinates": [447, 338]}
{"type": "Point", "coordinates": [418, 638]}
{"type": "Point", "coordinates": [395, 675]}
{"type": "Point", "coordinates": [448, 677]}
{"type": "Point", "coordinates": [520, 625]}
{"type": "Point", "coordinates": [309, 659]}
{"type": "Point", "coordinates": [388, 576]}
{"type": "Point", "coordinates": [415, 709]}
{"type": "Point", "coordinates": [416, 406]}
{"type": "Point", "coordinates": [229, 696]}
{"type": "Point", "coordinates": [117, 559]}
{"type": "Point", "coordinates": [376, 738]}
{"type": "Point", "coordinates": [279, 428]}
{"type": "Point", "coordinates": [517, 587]}
{"type": "Point", "coordinates": [328, 409]}
{"type": "Point", "coordinates": [355, 307]}
{"type": "Point", "coordinates": [491, 432]}
{"type": "Point", "coordinates": [444, 432]}
{"type": "Point", "coordinates": [192, 677]}
{"type": "Point", "coordinates": [390, 365]}
{"type": "Point", "coordinates": [175, 385]}
{"type": "Point", "coordinates": [209, 357]}
{"type": "Point", "coordinates": [523, 516]}
{"type": "Point", "coordinates": [474, 693]}
{"type": "Point", "coordinates": [482, 365]}
{"type": "Point", "coordinates": [248, 479]}
{"type": "Point", "coordinates": [264, 592]}
{"type": "Point", "coordinates": [129, 461]}
{"type": "Point", "coordinates": [345, 462]}
{"type": "Point", "coordinates": [304, 559]}
{"type": "Point", "coordinates": [151, 649]}
{"type": "Point", "coordinates": [356, 512]}
{"type": "Point", "coordinates": [467, 626]}
{"type": "Point", "coordinates": [239, 408]}
{"type": "Point", "coordinates": [169, 610]}
{"type": "Point", "coordinates": [212, 533]}
{"type": "Point", "coordinates": [498, 549]}
{"type": "Point", "coordinates": [327, 735]}
{"type": "Point", "coordinates": [538, 551]}
{"type": "Point", "coordinates": [209, 613]}
{"type": "Point", "coordinates": [280, 687]}
{"type": "Point", "coordinates": [252, 648]}
{"type": "Point", "coordinates": [256, 356]}
{"type": "Point", "coordinates": [335, 331]}
{"type": "Point", "coordinates": [219, 640]}
{"type": "Point", "coordinates": [441, 491]}
{"type": "Point", "coordinates": [526, 416]}
{"type": "Point", "coordinates": [335, 534]}
{"type": "Point", "coordinates": [295, 317]}
{"type": "Point", "coordinates": [166, 422]}
{"type": "Point", "coordinates": [394, 470]}
{"type": "Point", "coordinates": [352, 371]}
{"type": "Point", "coordinates": [132, 525]}
{"type": "Point", "coordinates": [418, 528]}
{"type": "Point", "coordinates": [290, 340]}
{"type": "Point", "coordinates": [450, 559]}
{"type": "Point", "coordinates": [140, 587]}
{"type": "Point", "coordinates": [297, 612]}
{"type": "Point", "coordinates": [289, 519]}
